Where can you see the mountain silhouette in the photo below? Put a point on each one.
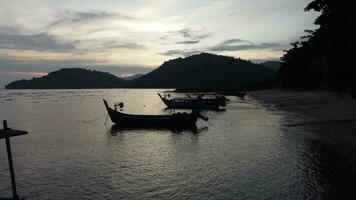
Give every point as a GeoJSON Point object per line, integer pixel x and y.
{"type": "Point", "coordinates": [275, 65]}
{"type": "Point", "coordinates": [205, 71]}
{"type": "Point", "coordinates": [71, 78]}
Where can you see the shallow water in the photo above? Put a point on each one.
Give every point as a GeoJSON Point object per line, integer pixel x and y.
{"type": "Point", "coordinates": [72, 151]}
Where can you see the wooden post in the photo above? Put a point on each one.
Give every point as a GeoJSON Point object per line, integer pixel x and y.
{"type": "Point", "coordinates": [6, 133]}
{"type": "Point", "coordinates": [11, 166]}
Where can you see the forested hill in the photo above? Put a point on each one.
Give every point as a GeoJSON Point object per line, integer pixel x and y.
{"type": "Point", "coordinates": [71, 78]}
{"type": "Point", "coordinates": [199, 71]}
{"type": "Point", "coordinates": [325, 57]}
{"type": "Point", "coordinates": [205, 71]}
{"type": "Point", "coordinates": [272, 64]}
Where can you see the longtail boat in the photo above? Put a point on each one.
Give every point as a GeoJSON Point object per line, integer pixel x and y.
{"type": "Point", "coordinates": [233, 93]}
{"type": "Point", "coordinates": [175, 119]}
{"type": "Point", "coordinates": [193, 103]}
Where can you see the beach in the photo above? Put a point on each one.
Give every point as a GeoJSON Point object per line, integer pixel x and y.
{"type": "Point", "coordinates": [332, 118]}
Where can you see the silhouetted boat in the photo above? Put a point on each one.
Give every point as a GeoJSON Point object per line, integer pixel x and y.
{"type": "Point", "coordinates": [175, 119]}
{"type": "Point", "coordinates": [193, 103]}
{"type": "Point", "coordinates": [233, 93]}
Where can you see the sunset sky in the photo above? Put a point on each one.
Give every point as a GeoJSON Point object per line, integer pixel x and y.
{"type": "Point", "coordinates": [126, 37]}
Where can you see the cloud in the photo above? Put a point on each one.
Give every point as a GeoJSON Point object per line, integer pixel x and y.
{"type": "Point", "coordinates": [184, 53]}
{"type": "Point", "coordinates": [98, 30]}
{"type": "Point", "coordinates": [185, 33]}
{"type": "Point", "coordinates": [124, 45]}
{"type": "Point", "coordinates": [227, 45]}
{"type": "Point", "coordinates": [191, 34]}
{"type": "Point", "coordinates": [21, 74]}
{"type": "Point", "coordinates": [163, 37]}
{"type": "Point", "coordinates": [194, 36]}
{"type": "Point", "coordinates": [241, 45]}
{"type": "Point", "coordinates": [38, 42]}
{"type": "Point", "coordinates": [188, 42]}
{"type": "Point", "coordinates": [72, 17]}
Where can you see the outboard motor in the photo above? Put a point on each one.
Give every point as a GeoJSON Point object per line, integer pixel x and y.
{"type": "Point", "coordinates": [197, 113]}
{"type": "Point", "coordinates": [121, 105]}
{"type": "Point", "coordinates": [203, 117]}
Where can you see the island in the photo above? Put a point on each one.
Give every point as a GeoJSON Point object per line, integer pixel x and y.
{"type": "Point", "coordinates": [203, 71]}
{"type": "Point", "coordinates": [71, 78]}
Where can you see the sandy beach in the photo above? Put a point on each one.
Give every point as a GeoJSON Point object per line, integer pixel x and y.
{"type": "Point", "coordinates": [331, 117]}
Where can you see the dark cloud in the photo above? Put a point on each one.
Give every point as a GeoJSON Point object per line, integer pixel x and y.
{"type": "Point", "coordinates": [184, 53]}
{"type": "Point", "coordinates": [185, 33]}
{"type": "Point", "coordinates": [163, 37]}
{"type": "Point", "coordinates": [227, 45]}
{"type": "Point", "coordinates": [191, 34]}
{"type": "Point", "coordinates": [124, 45]}
{"type": "Point", "coordinates": [188, 42]}
{"type": "Point", "coordinates": [8, 30]}
{"type": "Point", "coordinates": [71, 17]}
{"type": "Point", "coordinates": [202, 36]}
{"type": "Point", "coordinates": [39, 42]}
{"type": "Point", "coordinates": [97, 30]}
{"type": "Point", "coordinates": [240, 45]}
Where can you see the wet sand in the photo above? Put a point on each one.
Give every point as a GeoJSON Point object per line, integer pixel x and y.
{"type": "Point", "coordinates": [331, 117]}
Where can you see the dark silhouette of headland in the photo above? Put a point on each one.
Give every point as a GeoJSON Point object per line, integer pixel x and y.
{"type": "Point", "coordinates": [203, 71]}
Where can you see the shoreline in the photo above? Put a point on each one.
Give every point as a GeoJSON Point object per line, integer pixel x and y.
{"type": "Point", "coordinates": [330, 117]}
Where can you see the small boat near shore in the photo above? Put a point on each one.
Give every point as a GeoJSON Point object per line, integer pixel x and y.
{"type": "Point", "coordinates": [175, 119]}
{"type": "Point", "coordinates": [193, 103]}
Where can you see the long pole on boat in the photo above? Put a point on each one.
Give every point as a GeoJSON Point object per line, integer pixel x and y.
{"type": "Point", "coordinates": [11, 166]}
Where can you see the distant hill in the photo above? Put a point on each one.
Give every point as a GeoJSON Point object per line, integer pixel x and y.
{"type": "Point", "coordinates": [71, 78]}
{"type": "Point", "coordinates": [133, 77]}
{"type": "Point", "coordinates": [205, 71]}
{"type": "Point", "coordinates": [272, 64]}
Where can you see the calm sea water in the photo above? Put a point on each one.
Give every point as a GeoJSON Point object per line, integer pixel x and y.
{"type": "Point", "coordinates": [73, 152]}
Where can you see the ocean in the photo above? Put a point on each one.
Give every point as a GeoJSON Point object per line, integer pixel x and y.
{"type": "Point", "coordinates": [73, 151]}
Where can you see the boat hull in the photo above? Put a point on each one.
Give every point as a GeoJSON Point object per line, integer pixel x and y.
{"type": "Point", "coordinates": [176, 119]}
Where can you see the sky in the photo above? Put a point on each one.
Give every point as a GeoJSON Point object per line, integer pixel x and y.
{"type": "Point", "coordinates": [125, 37]}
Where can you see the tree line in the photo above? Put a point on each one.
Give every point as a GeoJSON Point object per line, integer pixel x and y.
{"type": "Point", "coordinates": [323, 58]}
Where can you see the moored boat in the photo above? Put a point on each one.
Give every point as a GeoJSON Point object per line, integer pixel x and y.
{"type": "Point", "coordinates": [196, 103]}
{"type": "Point", "coordinates": [175, 119]}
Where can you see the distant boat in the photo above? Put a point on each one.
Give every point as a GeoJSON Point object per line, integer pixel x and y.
{"type": "Point", "coordinates": [193, 103]}
{"type": "Point", "coordinates": [175, 119]}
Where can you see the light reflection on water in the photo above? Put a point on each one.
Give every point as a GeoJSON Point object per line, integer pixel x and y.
{"type": "Point", "coordinates": [73, 152]}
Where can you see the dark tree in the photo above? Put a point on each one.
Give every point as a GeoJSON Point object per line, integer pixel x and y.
{"type": "Point", "coordinates": [324, 57]}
